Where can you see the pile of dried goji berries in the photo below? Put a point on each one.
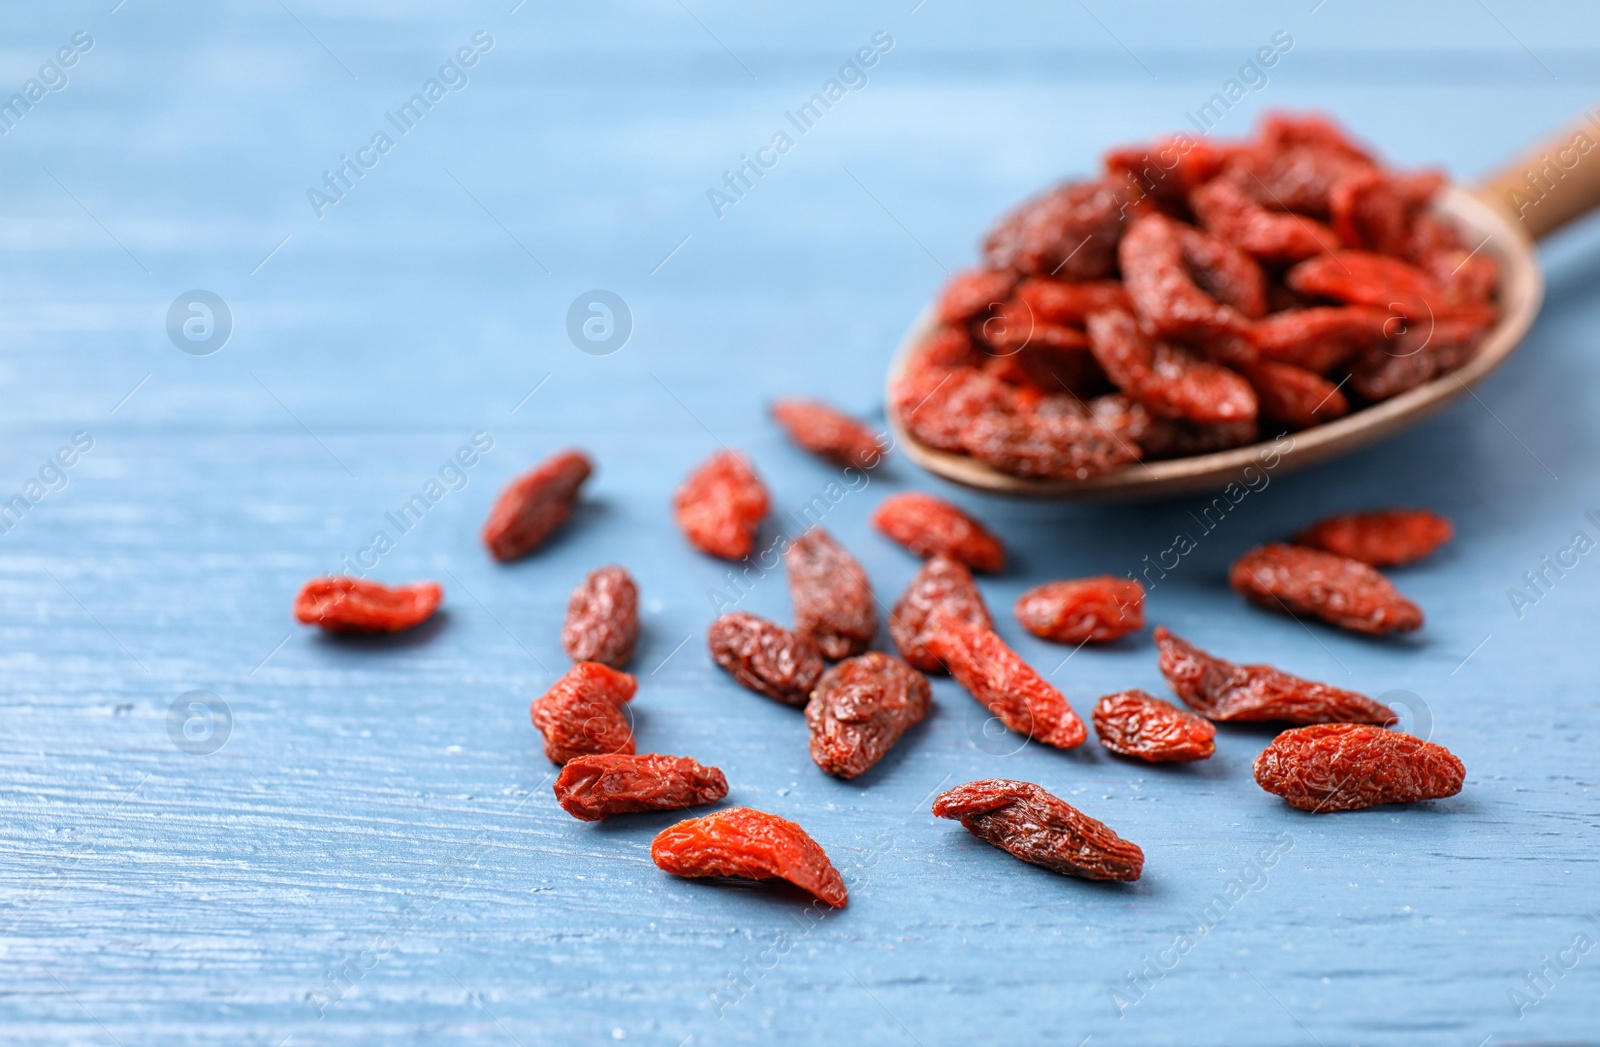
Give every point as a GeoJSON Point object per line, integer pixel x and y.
{"type": "Point", "coordinates": [1197, 296]}
{"type": "Point", "coordinates": [1338, 756]}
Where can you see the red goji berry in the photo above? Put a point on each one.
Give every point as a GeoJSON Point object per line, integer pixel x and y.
{"type": "Point", "coordinates": [740, 841]}
{"type": "Point", "coordinates": [1294, 396]}
{"type": "Point", "coordinates": [353, 605]}
{"type": "Point", "coordinates": [972, 293]}
{"type": "Point", "coordinates": [833, 603]}
{"type": "Point", "coordinates": [534, 505]}
{"type": "Point", "coordinates": [942, 586]}
{"type": "Point", "coordinates": [1082, 610]}
{"type": "Point", "coordinates": [595, 787]}
{"type": "Point", "coordinates": [1027, 822]}
{"type": "Point", "coordinates": [928, 526]}
{"type": "Point", "coordinates": [721, 505]}
{"type": "Point", "coordinates": [1133, 723]}
{"type": "Point", "coordinates": [1291, 579]}
{"type": "Point", "coordinates": [765, 657]}
{"type": "Point", "coordinates": [580, 715]}
{"type": "Point", "coordinates": [1170, 381]}
{"type": "Point", "coordinates": [1070, 231]}
{"type": "Point", "coordinates": [602, 618]}
{"type": "Point", "coordinates": [1003, 683]}
{"type": "Point", "coordinates": [1383, 538]}
{"type": "Point", "coordinates": [1350, 766]}
{"type": "Point", "coordinates": [828, 433]}
{"type": "Point", "coordinates": [1220, 690]}
{"type": "Point", "coordinates": [860, 708]}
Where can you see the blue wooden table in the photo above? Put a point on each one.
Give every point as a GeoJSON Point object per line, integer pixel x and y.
{"type": "Point", "coordinates": [217, 827]}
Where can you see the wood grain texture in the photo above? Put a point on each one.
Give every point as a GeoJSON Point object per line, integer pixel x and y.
{"type": "Point", "coordinates": [374, 856]}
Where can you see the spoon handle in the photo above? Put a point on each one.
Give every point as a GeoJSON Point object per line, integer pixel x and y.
{"type": "Point", "coordinates": [1552, 183]}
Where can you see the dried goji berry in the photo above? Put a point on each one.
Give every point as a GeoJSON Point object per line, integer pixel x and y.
{"type": "Point", "coordinates": [1171, 168]}
{"type": "Point", "coordinates": [942, 586]}
{"type": "Point", "coordinates": [1133, 723]}
{"type": "Point", "coordinates": [1164, 293]}
{"type": "Point", "coordinates": [1056, 446]}
{"type": "Point", "coordinates": [1229, 212]}
{"type": "Point", "coordinates": [1438, 250]}
{"type": "Point", "coordinates": [1014, 326]}
{"type": "Point", "coordinates": [938, 406]}
{"type": "Point", "coordinates": [1365, 278]}
{"type": "Point", "coordinates": [1082, 610]}
{"type": "Point", "coordinates": [1027, 822]}
{"type": "Point", "coordinates": [1292, 580]}
{"type": "Point", "coordinates": [765, 657]}
{"type": "Point", "coordinates": [1071, 302]}
{"type": "Point", "coordinates": [740, 841]}
{"type": "Point", "coordinates": [1350, 766]}
{"type": "Point", "coordinates": [1221, 690]}
{"type": "Point", "coordinates": [928, 526]}
{"type": "Point", "coordinates": [1051, 370]}
{"type": "Point", "coordinates": [1171, 382]}
{"type": "Point", "coordinates": [596, 787]}
{"type": "Point", "coordinates": [534, 505]}
{"type": "Point", "coordinates": [829, 433]}
{"type": "Point", "coordinates": [860, 708]}
{"type": "Point", "coordinates": [1294, 396]}
{"type": "Point", "coordinates": [973, 293]}
{"type": "Point", "coordinates": [581, 714]}
{"type": "Point", "coordinates": [1003, 683]}
{"type": "Point", "coordinates": [1321, 338]}
{"type": "Point", "coordinates": [833, 604]}
{"type": "Point", "coordinates": [1070, 232]}
{"type": "Point", "coordinates": [1225, 272]}
{"type": "Point", "coordinates": [353, 605]}
{"type": "Point", "coordinates": [721, 505]}
{"type": "Point", "coordinates": [1383, 538]}
{"type": "Point", "coordinates": [602, 618]}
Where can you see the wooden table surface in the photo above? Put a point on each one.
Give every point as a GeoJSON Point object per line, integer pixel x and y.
{"type": "Point", "coordinates": [373, 854]}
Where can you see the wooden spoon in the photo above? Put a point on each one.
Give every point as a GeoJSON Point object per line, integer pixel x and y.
{"type": "Point", "coordinates": [1538, 193]}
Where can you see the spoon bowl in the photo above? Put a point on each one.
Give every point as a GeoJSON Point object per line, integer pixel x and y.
{"type": "Point", "coordinates": [1521, 291]}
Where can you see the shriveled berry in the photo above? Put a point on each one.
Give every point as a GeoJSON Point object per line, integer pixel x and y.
{"type": "Point", "coordinates": [580, 715]}
{"type": "Point", "coordinates": [1071, 302]}
{"type": "Point", "coordinates": [1070, 232]}
{"type": "Point", "coordinates": [829, 433]}
{"type": "Point", "coordinates": [942, 586]}
{"type": "Point", "coordinates": [1292, 579]}
{"type": "Point", "coordinates": [1350, 766]}
{"type": "Point", "coordinates": [1322, 337]}
{"type": "Point", "coordinates": [341, 604]}
{"type": "Point", "coordinates": [1228, 211]}
{"type": "Point", "coordinates": [1003, 683]}
{"type": "Point", "coordinates": [1365, 278]}
{"type": "Point", "coordinates": [1295, 396]}
{"type": "Point", "coordinates": [939, 405]}
{"type": "Point", "coordinates": [721, 505]}
{"type": "Point", "coordinates": [602, 618]}
{"type": "Point", "coordinates": [833, 604]}
{"type": "Point", "coordinates": [596, 787]}
{"type": "Point", "coordinates": [744, 842]}
{"type": "Point", "coordinates": [1056, 446]}
{"type": "Point", "coordinates": [1383, 538]}
{"type": "Point", "coordinates": [970, 294]}
{"type": "Point", "coordinates": [1028, 822]}
{"type": "Point", "coordinates": [765, 657]}
{"type": "Point", "coordinates": [860, 708]}
{"type": "Point", "coordinates": [1136, 724]}
{"type": "Point", "coordinates": [1164, 293]}
{"type": "Point", "coordinates": [1171, 382]}
{"type": "Point", "coordinates": [929, 526]}
{"type": "Point", "coordinates": [1171, 438]}
{"type": "Point", "coordinates": [1082, 610]}
{"type": "Point", "coordinates": [534, 505]}
{"type": "Point", "coordinates": [1220, 690]}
